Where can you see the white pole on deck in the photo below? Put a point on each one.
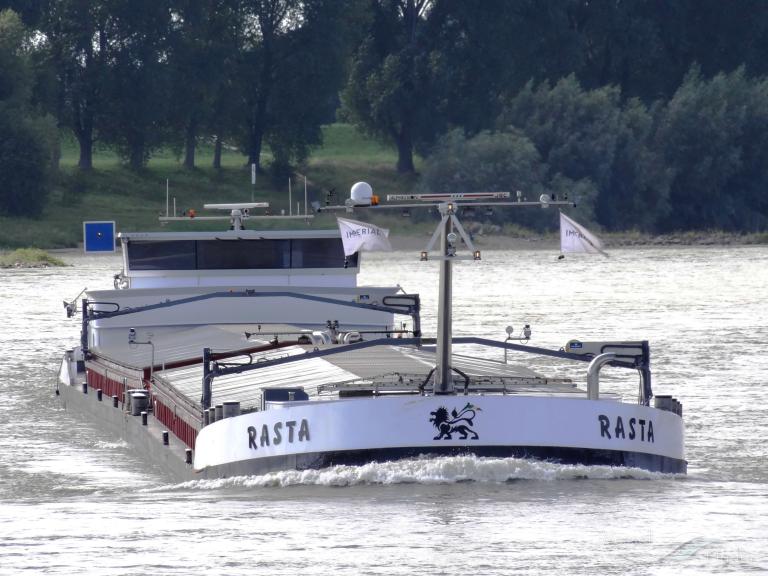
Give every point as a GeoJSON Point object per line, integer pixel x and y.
{"type": "Point", "coordinates": [253, 180]}
{"type": "Point", "coordinates": [167, 196]}
{"type": "Point", "coordinates": [305, 195]}
{"type": "Point", "coordinates": [290, 200]}
{"type": "Point", "coordinates": [443, 374]}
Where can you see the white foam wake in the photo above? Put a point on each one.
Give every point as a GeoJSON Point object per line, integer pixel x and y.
{"type": "Point", "coordinates": [426, 470]}
{"type": "Point", "coordinates": [106, 445]}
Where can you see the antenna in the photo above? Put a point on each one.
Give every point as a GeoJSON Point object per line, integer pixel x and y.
{"type": "Point", "coordinates": [447, 204]}
{"type": "Point", "coordinates": [238, 213]}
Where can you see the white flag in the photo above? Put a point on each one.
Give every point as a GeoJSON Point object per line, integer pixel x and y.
{"type": "Point", "coordinates": [361, 236]}
{"type": "Point", "coordinates": [575, 238]}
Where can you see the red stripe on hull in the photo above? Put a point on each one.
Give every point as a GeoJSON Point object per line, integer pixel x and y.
{"type": "Point", "coordinates": [178, 427]}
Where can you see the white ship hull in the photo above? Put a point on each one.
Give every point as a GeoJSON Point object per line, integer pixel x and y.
{"type": "Point", "coordinates": [314, 434]}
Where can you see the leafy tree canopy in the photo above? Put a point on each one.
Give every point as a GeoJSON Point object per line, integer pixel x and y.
{"type": "Point", "coordinates": [26, 145]}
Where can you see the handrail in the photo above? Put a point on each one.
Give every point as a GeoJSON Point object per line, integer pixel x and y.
{"type": "Point", "coordinates": [401, 309]}
{"type": "Point", "coordinates": [593, 374]}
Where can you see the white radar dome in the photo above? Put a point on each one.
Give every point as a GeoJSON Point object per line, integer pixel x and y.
{"type": "Point", "coordinates": [361, 194]}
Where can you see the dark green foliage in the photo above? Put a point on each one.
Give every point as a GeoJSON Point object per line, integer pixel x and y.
{"type": "Point", "coordinates": [77, 56]}
{"type": "Point", "coordinates": [700, 161]}
{"type": "Point", "coordinates": [574, 130]}
{"type": "Point", "coordinates": [30, 11]}
{"type": "Point", "coordinates": [493, 162]}
{"type": "Point", "coordinates": [27, 139]}
{"type": "Point", "coordinates": [291, 66]}
{"type": "Point", "coordinates": [310, 74]}
{"type": "Point", "coordinates": [564, 96]}
{"type": "Point", "coordinates": [24, 165]}
{"type": "Point", "coordinates": [15, 74]}
{"type": "Point", "coordinates": [203, 49]}
{"type": "Point", "coordinates": [488, 161]}
{"type": "Point", "coordinates": [393, 87]}
{"type": "Point", "coordinates": [138, 81]}
{"type": "Point", "coordinates": [637, 194]}
{"type": "Point", "coordinates": [713, 135]}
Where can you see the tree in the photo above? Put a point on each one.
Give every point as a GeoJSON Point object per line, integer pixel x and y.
{"type": "Point", "coordinates": [713, 136]}
{"type": "Point", "coordinates": [574, 130]}
{"type": "Point", "coordinates": [393, 88]}
{"type": "Point", "coordinates": [270, 20]}
{"type": "Point", "coordinates": [77, 34]}
{"type": "Point", "coordinates": [308, 82]}
{"type": "Point", "coordinates": [292, 66]}
{"type": "Point", "coordinates": [492, 161]}
{"type": "Point", "coordinates": [137, 85]}
{"type": "Point", "coordinates": [202, 49]}
{"type": "Point", "coordinates": [26, 145]}
{"type": "Point", "coordinates": [489, 161]}
{"type": "Point", "coordinates": [30, 11]}
{"type": "Point", "coordinates": [637, 195]}
{"type": "Point", "coordinates": [643, 47]}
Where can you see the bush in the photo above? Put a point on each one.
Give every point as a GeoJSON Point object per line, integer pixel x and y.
{"type": "Point", "coordinates": [489, 162]}
{"type": "Point", "coordinates": [714, 136]}
{"type": "Point", "coordinates": [25, 160]}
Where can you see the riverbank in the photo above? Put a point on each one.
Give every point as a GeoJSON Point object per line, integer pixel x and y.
{"type": "Point", "coordinates": [134, 200]}
{"type": "Point", "coordinates": [612, 240]}
{"type": "Point", "coordinates": [29, 258]}
{"type": "Point", "coordinates": [417, 242]}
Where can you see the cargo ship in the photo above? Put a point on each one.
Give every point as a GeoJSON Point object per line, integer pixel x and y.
{"type": "Point", "coordinates": [243, 352]}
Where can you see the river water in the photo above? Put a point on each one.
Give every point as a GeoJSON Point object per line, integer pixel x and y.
{"type": "Point", "coordinates": [74, 502]}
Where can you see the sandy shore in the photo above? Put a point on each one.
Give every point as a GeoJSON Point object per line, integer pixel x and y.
{"type": "Point", "coordinates": [552, 241]}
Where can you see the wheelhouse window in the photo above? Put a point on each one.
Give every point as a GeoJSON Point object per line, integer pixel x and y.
{"type": "Point", "coordinates": [166, 255]}
{"type": "Point", "coordinates": [319, 253]}
{"type": "Point", "coordinates": [243, 254]}
{"type": "Point", "coordinates": [238, 254]}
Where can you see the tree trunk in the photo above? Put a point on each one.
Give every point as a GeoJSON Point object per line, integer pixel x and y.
{"type": "Point", "coordinates": [254, 148]}
{"type": "Point", "coordinates": [190, 144]}
{"type": "Point", "coordinates": [136, 158]}
{"type": "Point", "coordinates": [86, 154]}
{"type": "Point", "coordinates": [405, 153]}
{"type": "Point", "coordinates": [83, 130]}
{"type": "Point", "coordinates": [217, 153]}
{"type": "Point", "coordinates": [259, 117]}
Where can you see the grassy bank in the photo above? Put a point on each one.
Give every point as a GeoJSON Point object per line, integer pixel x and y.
{"type": "Point", "coordinates": [29, 258]}
{"type": "Point", "coordinates": [136, 199]}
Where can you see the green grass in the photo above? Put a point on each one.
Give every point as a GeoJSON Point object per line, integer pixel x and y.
{"type": "Point", "coordinates": [28, 258]}
{"type": "Point", "coordinates": [343, 143]}
{"type": "Point", "coordinates": [136, 199]}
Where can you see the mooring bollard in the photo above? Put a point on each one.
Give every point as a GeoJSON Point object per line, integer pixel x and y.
{"type": "Point", "coordinates": [165, 437]}
{"type": "Point", "coordinates": [143, 418]}
{"type": "Point", "coordinates": [188, 454]}
{"type": "Point", "coordinates": [206, 418]}
{"type": "Point", "coordinates": [98, 394]}
{"type": "Point", "coordinates": [85, 387]}
{"type": "Point", "coordinates": [114, 401]}
{"type": "Point", "coordinates": [230, 409]}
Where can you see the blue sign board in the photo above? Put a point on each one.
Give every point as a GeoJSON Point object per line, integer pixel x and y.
{"type": "Point", "coordinates": [99, 236]}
